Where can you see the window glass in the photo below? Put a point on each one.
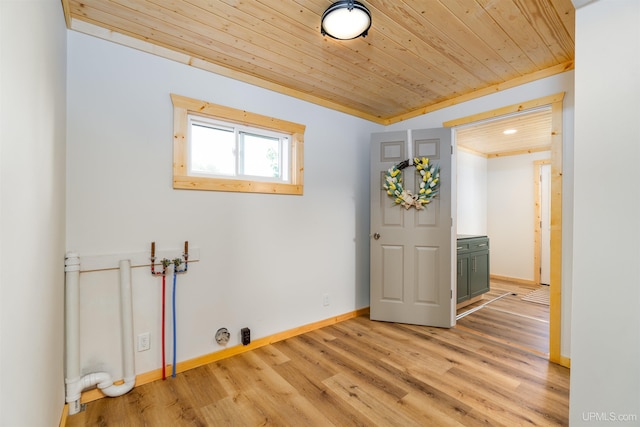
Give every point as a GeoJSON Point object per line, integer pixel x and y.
{"type": "Point", "coordinates": [212, 150]}
{"type": "Point", "coordinates": [261, 156]}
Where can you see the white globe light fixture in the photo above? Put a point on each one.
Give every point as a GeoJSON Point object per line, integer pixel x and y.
{"type": "Point", "coordinates": [346, 20]}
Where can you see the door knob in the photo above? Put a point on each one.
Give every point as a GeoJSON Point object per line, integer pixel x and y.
{"type": "Point", "coordinates": [376, 236]}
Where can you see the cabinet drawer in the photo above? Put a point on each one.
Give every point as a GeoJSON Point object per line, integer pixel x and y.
{"type": "Point", "coordinates": [462, 246]}
{"type": "Point", "coordinates": [471, 245]}
{"type": "Point", "coordinates": [478, 244]}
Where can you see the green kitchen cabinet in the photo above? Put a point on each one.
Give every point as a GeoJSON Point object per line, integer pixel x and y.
{"type": "Point", "coordinates": [472, 267]}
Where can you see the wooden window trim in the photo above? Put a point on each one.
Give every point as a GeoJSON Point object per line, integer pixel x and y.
{"type": "Point", "coordinates": [183, 106]}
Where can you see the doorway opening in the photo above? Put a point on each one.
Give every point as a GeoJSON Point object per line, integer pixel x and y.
{"type": "Point", "coordinates": [554, 104]}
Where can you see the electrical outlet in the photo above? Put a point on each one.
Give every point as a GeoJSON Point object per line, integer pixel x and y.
{"type": "Point", "coordinates": [144, 341]}
{"type": "Point", "coordinates": [245, 335]}
{"type": "Point", "coordinates": [325, 299]}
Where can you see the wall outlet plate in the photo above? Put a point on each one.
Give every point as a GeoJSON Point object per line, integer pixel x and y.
{"type": "Point", "coordinates": [144, 341]}
{"type": "Point", "coordinates": [245, 334]}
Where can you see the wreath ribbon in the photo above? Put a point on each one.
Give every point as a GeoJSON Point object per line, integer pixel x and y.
{"type": "Point", "coordinates": [429, 184]}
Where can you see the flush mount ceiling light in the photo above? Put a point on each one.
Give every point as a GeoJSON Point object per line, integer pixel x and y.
{"type": "Point", "coordinates": [346, 20]}
{"type": "Point", "coordinates": [510, 131]}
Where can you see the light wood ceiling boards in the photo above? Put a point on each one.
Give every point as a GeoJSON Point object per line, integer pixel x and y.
{"type": "Point", "coordinates": [488, 138]}
{"type": "Point", "coordinates": [420, 55]}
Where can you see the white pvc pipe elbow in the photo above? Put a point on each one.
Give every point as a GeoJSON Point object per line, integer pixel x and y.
{"type": "Point", "coordinates": [75, 384]}
{"type": "Point", "coordinates": [112, 390]}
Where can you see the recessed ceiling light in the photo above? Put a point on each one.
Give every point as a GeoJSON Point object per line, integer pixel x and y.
{"type": "Point", "coordinates": [510, 131]}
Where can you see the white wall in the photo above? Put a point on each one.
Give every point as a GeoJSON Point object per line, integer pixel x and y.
{"type": "Point", "coordinates": [540, 88]}
{"type": "Point", "coordinates": [605, 368]}
{"type": "Point", "coordinates": [496, 198]}
{"type": "Point", "coordinates": [266, 260]}
{"type": "Point", "coordinates": [472, 193]}
{"type": "Point", "coordinates": [511, 214]}
{"type": "Point", "coordinates": [32, 210]}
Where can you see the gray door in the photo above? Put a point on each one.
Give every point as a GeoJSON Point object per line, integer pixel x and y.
{"type": "Point", "coordinates": [412, 250]}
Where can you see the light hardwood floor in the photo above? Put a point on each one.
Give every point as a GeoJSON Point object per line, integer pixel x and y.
{"type": "Point", "coordinates": [509, 320]}
{"type": "Point", "coordinates": [362, 373]}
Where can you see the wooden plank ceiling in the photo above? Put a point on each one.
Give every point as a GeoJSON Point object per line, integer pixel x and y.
{"type": "Point", "coordinates": [532, 133]}
{"type": "Point", "coordinates": [419, 56]}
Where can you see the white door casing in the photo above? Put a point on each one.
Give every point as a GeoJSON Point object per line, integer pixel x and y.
{"type": "Point", "coordinates": [412, 250]}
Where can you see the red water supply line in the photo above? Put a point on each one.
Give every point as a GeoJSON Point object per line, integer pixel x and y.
{"type": "Point", "coordinates": [165, 263]}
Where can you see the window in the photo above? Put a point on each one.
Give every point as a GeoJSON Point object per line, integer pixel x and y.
{"type": "Point", "coordinates": [223, 149]}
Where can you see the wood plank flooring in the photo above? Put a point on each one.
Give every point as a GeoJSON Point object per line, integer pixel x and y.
{"type": "Point", "coordinates": [357, 373]}
{"type": "Point", "coordinates": [510, 320]}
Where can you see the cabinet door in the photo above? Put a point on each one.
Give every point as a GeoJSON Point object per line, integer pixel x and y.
{"type": "Point", "coordinates": [478, 273]}
{"type": "Point", "coordinates": [463, 278]}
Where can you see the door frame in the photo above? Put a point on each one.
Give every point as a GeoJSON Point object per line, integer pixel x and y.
{"type": "Point", "coordinates": [537, 239]}
{"type": "Point", "coordinates": [555, 287]}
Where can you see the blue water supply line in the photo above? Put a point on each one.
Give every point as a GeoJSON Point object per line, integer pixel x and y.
{"type": "Point", "coordinates": [176, 270]}
{"type": "Point", "coordinates": [175, 275]}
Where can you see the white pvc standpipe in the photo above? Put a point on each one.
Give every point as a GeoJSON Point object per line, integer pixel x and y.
{"type": "Point", "coordinates": [126, 310]}
{"type": "Point", "coordinates": [72, 331]}
{"type": "Point", "coordinates": [103, 380]}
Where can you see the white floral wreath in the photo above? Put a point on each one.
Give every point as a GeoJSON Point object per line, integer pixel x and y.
{"type": "Point", "coordinates": [429, 186]}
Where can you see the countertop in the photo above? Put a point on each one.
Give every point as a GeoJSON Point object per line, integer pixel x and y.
{"type": "Point", "coordinates": [468, 236]}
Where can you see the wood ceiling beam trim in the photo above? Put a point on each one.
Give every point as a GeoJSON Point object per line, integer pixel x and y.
{"type": "Point", "coordinates": [67, 14]}
{"type": "Point", "coordinates": [519, 152]}
{"type": "Point", "coordinates": [263, 66]}
{"type": "Point", "coordinates": [94, 30]}
{"type": "Point", "coordinates": [270, 72]}
{"type": "Point", "coordinates": [546, 100]}
{"type": "Point", "coordinates": [557, 69]}
{"type": "Point", "coordinates": [471, 151]}
{"type": "Point", "coordinates": [142, 45]}
{"type": "Point", "coordinates": [354, 92]}
{"type": "Point", "coordinates": [416, 60]}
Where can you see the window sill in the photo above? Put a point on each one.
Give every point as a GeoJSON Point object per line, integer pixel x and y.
{"type": "Point", "coordinates": [234, 185]}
